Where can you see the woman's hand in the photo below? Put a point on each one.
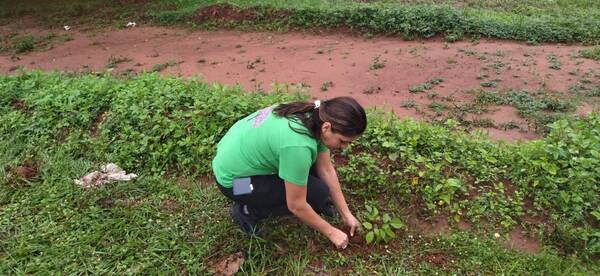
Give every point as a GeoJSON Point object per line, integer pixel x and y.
{"type": "Point", "coordinates": [339, 238]}
{"type": "Point", "coordinates": [352, 223]}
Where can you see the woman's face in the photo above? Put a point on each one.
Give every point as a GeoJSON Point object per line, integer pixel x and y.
{"type": "Point", "coordinates": [334, 141]}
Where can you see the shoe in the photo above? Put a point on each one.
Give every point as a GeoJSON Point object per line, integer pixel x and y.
{"type": "Point", "coordinates": [247, 222]}
{"type": "Point", "coordinates": [329, 210]}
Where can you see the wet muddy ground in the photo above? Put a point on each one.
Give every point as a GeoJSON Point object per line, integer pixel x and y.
{"type": "Point", "coordinates": [407, 77]}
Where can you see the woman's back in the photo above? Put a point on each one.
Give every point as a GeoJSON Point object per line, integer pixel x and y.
{"type": "Point", "coordinates": [264, 144]}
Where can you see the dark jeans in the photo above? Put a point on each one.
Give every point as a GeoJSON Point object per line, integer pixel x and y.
{"type": "Point", "coordinates": [268, 197]}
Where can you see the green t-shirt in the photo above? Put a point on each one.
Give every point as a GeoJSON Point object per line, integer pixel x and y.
{"type": "Point", "coordinates": [264, 144]}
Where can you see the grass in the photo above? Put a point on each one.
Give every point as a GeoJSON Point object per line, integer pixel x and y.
{"type": "Point", "coordinates": [377, 64]}
{"type": "Point", "coordinates": [534, 21]}
{"type": "Point", "coordinates": [425, 86]}
{"type": "Point", "coordinates": [20, 44]}
{"type": "Point", "coordinates": [408, 104]}
{"type": "Point", "coordinates": [554, 62]}
{"type": "Point", "coordinates": [168, 220]}
{"type": "Point", "coordinates": [591, 53]}
{"type": "Point", "coordinates": [114, 61]}
{"type": "Point", "coordinates": [162, 66]}
{"type": "Point", "coordinates": [538, 107]}
{"type": "Point", "coordinates": [326, 85]}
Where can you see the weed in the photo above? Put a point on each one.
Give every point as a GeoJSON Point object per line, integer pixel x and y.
{"type": "Point", "coordinates": [25, 44]}
{"type": "Point", "coordinates": [437, 107]}
{"type": "Point", "coordinates": [554, 63]}
{"type": "Point", "coordinates": [114, 61]}
{"type": "Point", "coordinates": [326, 85]}
{"type": "Point", "coordinates": [454, 36]}
{"type": "Point", "coordinates": [481, 76]}
{"type": "Point", "coordinates": [509, 125]}
{"type": "Point", "coordinates": [162, 66]}
{"type": "Point", "coordinates": [488, 84]}
{"type": "Point", "coordinates": [432, 94]}
{"type": "Point", "coordinates": [372, 90]}
{"type": "Point", "coordinates": [591, 53]}
{"type": "Point", "coordinates": [485, 123]}
{"type": "Point", "coordinates": [425, 86]}
{"type": "Point", "coordinates": [377, 63]}
{"type": "Point", "coordinates": [408, 104]}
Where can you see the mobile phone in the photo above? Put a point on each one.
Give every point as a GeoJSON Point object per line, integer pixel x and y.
{"type": "Point", "coordinates": [242, 186]}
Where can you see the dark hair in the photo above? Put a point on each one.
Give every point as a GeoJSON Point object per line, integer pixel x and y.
{"type": "Point", "coordinates": [346, 115]}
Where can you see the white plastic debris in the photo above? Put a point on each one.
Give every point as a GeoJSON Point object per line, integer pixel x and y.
{"type": "Point", "coordinates": [496, 235]}
{"type": "Point", "coordinates": [67, 27]}
{"type": "Point", "coordinates": [109, 173]}
{"type": "Point", "coordinates": [130, 24]}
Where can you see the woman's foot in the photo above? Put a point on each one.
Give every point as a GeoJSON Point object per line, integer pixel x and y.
{"type": "Point", "coordinates": [242, 216]}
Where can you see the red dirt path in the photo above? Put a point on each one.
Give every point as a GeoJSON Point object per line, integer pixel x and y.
{"type": "Point", "coordinates": [257, 60]}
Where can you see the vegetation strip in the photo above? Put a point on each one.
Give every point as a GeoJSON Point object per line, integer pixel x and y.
{"type": "Point", "coordinates": [57, 127]}
{"type": "Point", "coordinates": [536, 21]}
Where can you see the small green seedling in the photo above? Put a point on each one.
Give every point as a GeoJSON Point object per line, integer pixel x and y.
{"type": "Point", "coordinates": [380, 227]}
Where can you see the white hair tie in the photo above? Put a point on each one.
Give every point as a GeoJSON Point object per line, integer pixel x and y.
{"type": "Point", "coordinates": [317, 104]}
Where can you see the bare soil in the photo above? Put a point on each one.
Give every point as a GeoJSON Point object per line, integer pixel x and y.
{"type": "Point", "coordinates": [377, 72]}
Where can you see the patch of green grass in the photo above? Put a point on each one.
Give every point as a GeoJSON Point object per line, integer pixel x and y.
{"type": "Point", "coordinates": [437, 107]}
{"type": "Point", "coordinates": [425, 86]}
{"type": "Point", "coordinates": [95, 13]}
{"type": "Point", "coordinates": [25, 44]}
{"type": "Point", "coordinates": [540, 107]}
{"type": "Point", "coordinates": [591, 53]}
{"type": "Point", "coordinates": [554, 63]}
{"type": "Point", "coordinates": [165, 129]}
{"type": "Point", "coordinates": [526, 21]}
{"type": "Point", "coordinates": [21, 44]}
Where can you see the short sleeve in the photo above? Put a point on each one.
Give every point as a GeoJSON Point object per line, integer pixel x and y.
{"type": "Point", "coordinates": [322, 148]}
{"type": "Point", "coordinates": [294, 164]}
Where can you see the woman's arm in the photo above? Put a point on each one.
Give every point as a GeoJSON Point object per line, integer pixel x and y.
{"type": "Point", "coordinates": [296, 203]}
{"type": "Point", "coordinates": [327, 173]}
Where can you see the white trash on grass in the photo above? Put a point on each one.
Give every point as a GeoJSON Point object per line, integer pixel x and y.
{"type": "Point", "coordinates": [130, 25]}
{"type": "Point", "coordinates": [109, 173]}
{"type": "Point", "coordinates": [67, 27]}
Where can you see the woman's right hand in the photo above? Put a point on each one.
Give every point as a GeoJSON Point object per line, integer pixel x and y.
{"type": "Point", "coordinates": [339, 239]}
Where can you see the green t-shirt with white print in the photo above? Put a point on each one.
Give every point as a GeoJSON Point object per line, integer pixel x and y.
{"type": "Point", "coordinates": [265, 144]}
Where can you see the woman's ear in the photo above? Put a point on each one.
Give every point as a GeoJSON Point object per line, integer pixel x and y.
{"type": "Point", "coordinates": [325, 127]}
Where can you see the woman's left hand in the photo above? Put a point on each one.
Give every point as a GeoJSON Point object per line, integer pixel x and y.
{"type": "Point", "coordinates": [352, 223]}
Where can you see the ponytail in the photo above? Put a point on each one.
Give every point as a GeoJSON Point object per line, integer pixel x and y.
{"type": "Point", "coordinates": [346, 116]}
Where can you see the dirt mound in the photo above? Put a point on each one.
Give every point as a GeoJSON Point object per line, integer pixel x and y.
{"type": "Point", "coordinates": [230, 12]}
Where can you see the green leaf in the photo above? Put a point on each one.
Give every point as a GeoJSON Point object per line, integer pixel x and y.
{"type": "Point", "coordinates": [389, 232]}
{"type": "Point", "coordinates": [386, 218]}
{"type": "Point", "coordinates": [370, 236]}
{"type": "Point", "coordinates": [397, 223]}
{"type": "Point", "coordinates": [596, 214]}
{"type": "Point", "coordinates": [393, 156]}
{"type": "Point", "coordinates": [367, 225]}
{"type": "Point", "coordinates": [388, 144]}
